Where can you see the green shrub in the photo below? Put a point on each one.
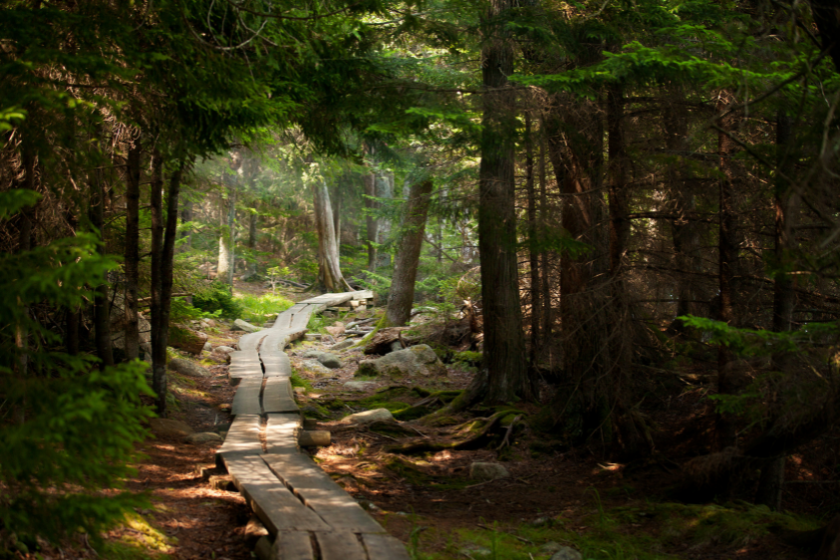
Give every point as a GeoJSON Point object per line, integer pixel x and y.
{"type": "Point", "coordinates": [217, 298]}
{"type": "Point", "coordinates": [255, 309]}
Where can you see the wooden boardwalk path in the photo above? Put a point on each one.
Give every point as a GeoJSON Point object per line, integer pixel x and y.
{"type": "Point", "coordinates": [308, 516]}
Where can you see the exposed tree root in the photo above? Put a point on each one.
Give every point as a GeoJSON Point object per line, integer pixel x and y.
{"type": "Point", "coordinates": [473, 434]}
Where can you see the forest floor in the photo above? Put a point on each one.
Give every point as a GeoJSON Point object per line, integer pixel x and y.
{"type": "Point", "coordinates": [553, 497]}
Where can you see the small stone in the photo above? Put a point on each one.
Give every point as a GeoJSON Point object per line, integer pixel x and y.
{"type": "Point", "coordinates": [316, 367]}
{"type": "Point", "coordinates": [369, 416]}
{"type": "Point", "coordinates": [567, 553]}
{"type": "Point", "coordinates": [359, 386]}
{"type": "Point", "coordinates": [223, 350]}
{"type": "Point", "coordinates": [330, 360]}
{"type": "Point", "coordinates": [169, 427]}
{"type": "Point", "coordinates": [240, 325]}
{"type": "Point", "coordinates": [343, 345]}
{"type": "Point", "coordinates": [472, 551]}
{"type": "Point", "coordinates": [208, 347]}
{"type": "Point", "coordinates": [203, 437]}
{"type": "Point", "coordinates": [487, 471]}
{"type": "Point", "coordinates": [548, 548]}
{"type": "Point", "coordinates": [541, 522]}
{"type": "Point", "coordinates": [186, 367]}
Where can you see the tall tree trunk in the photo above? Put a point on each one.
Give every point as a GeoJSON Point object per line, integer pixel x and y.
{"type": "Point", "coordinates": [28, 158]}
{"type": "Point", "coordinates": [728, 255]}
{"type": "Point", "coordinates": [786, 206]}
{"type": "Point", "coordinates": [372, 221]}
{"type": "Point", "coordinates": [231, 228]}
{"type": "Point", "coordinates": [533, 243]}
{"type": "Point", "coordinates": [384, 191]}
{"type": "Point", "coordinates": [186, 216]}
{"type": "Point", "coordinates": [223, 266]}
{"type": "Point", "coordinates": [337, 216]}
{"type": "Point", "coordinates": [619, 229]}
{"type": "Point", "coordinates": [163, 253]}
{"type": "Point", "coordinates": [132, 250]}
{"type": "Point", "coordinates": [330, 278]}
{"type": "Point", "coordinates": [401, 296]}
{"type": "Point", "coordinates": [548, 312]}
{"type": "Point", "coordinates": [252, 242]}
{"type": "Point", "coordinates": [504, 369]}
{"type": "Point", "coordinates": [101, 307]}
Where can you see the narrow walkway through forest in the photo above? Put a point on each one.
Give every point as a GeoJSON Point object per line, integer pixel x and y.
{"type": "Point", "coordinates": [308, 516]}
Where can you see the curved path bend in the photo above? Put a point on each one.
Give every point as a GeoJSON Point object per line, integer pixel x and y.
{"type": "Point", "coordinates": [308, 516]}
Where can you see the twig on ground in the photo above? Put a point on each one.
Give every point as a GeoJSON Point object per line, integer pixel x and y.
{"type": "Point", "coordinates": [506, 440]}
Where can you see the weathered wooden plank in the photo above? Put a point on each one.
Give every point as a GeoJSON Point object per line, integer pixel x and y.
{"type": "Point", "coordinates": [277, 396]}
{"type": "Point", "coordinates": [281, 433]}
{"type": "Point", "coordinates": [250, 341]}
{"type": "Point", "coordinates": [318, 491]}
{"type": "Point", "coordinates": [301, 318]}
{"type": "Point", "coordinates": [340, 545]}
{"type": "Point", "coordinates": [384, 547]}
{"type": "Point", "coordinates": [294, 545]}
{"type": "Point", "coordinates": [274, 504]}
{"type": "Point", "coordinates": [277, 365]}
{"type": "Point", "coordinates": [243, 438]}
{"type": "Point", "coordinates": [247, 397]}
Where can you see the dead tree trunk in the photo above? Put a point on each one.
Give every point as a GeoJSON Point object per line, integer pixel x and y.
{"type": "Point", "coordinates": [330, 278]}
{"type": "Point", "coordinates": [132, 250]}
{"type": "Point", "coordinates": [401, 296]}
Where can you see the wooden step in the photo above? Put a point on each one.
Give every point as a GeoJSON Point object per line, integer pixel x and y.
{"type": "Point", "coordinates": [247, 397]}
{"type": "Point", "coordinates": [298, 545]}
{"type": "Point", "coordinates": [281, 433]}
{"type": "Point", "coordinates": [243, 438]}
{"type": "Point", "coordinates": [318, 491]}
{"type": "Point", "coordinates": [274, 504]}
{"type": "Point", "coordinates": [277, 396]}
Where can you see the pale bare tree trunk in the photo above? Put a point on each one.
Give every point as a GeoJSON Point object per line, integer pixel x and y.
{"type": "Point", "coordinates": [401, 296]}
{"type": "Point", "coordinates": [384, 191]}
{"type": "Point", "coordinates": [372, 222]}
{"type": "Point", "coordinates": [330, 278]}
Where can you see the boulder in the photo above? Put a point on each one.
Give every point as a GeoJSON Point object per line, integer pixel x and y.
{"type": "Point", "coordinates": [567, 553]}
{"type": "Point", "coordinates": [369, 416]}
{"type": "Point", "coordinates": [316, 367]}
{"type": "Point", "coordinates": [223, 349]}
{"type": "Point", "coordinates": [411, 362]}
{"type": "Point", "coordinates": [187, 340]}
{"type": "Point", "coordinates": [208, 347]}
{"type": "Point", "coordinates": [330, 360]}
{"type": "Point", "coordinates": [488, 471]}
{"type": "Point", "coordinates": [309, 354]}
{"type": "Point", "coordinates": [359, 386]}
{"type": "Point", "coordinates": [170, 428]}
{"type": "Point", "coordinates": [240, 325]}
{"type": "Point", "coordinates": [203, 437]}
{"type": "Point", "coordinates": [343, 345]}
{"type": "Point", "coordinates": [186, 367]}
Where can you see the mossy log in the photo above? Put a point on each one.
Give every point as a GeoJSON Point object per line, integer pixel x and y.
{"type": "Point", "coordinates": [187, 340]}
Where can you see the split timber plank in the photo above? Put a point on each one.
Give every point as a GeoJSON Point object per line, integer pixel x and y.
{"type": "Point", "coordinates": [277, 396]}
{"type": "Point", "coordinates": [318, 491]}
{"type": "Point", "coordinates": [247, 397]}
{"type": "Point", "coordinates": [340, 545]}
{"type": "Point", "coordinates": [250, 341]}
{"type": "Point", "coordinates": [301, 318]}
{"type": "Point", "coordinates": [281, 433]}
{"type": "Point", "coordinates": [243, 438]}
{"type": "Point", "coordinates": [274, 504]}
{"type": "Point", "coordinates": [384, 547]}
{"type": "Point", "coordinates": [285, 319]}
{"type": "Point", "coordinates": [277, 364]}
{"type": "Point", "coordinates": [295, 545]}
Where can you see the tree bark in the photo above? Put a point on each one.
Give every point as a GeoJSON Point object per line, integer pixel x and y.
{"type": "Point", "coordinates": [504, 367]}
{"type": "Point", "coordinates": [132, 250]}
{"type": "Point", "coordinates": [372, 222]}
{"type": "Point", "coordinates": [330, 278]}
{"type": "Point", "coordinates": [186, 216]}
{"type": "Point", "coordinates": [548, 312]}
{"type": "Point", "coordinates": [728, 254]}
{"type": "Point", "coordinates": [533, 244]}
{"type": "Point", "coordinates": [384, 191]}
{"type": "Point", "coordinates": [163, 252]}
{"type": "Point", "coordinates": [401, 296]}
{"type": "Point", "coordinates": [101, 307]}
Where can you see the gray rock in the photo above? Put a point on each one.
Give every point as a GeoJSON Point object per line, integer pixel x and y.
{"type": "Point", "coordinates": [330, 360]}
{"type": "Point", "coordinates": [240, 325]}
{"type": "Point", "coordinates": [359, 386]}
{"type": "Point", "coordinates": [316, 367]}
{"type": "Point", "coordinates": [343, 345]}
{"type": "Point", "coordinates": [418, 360]}
{"type": "Point", "coordinates": [473, 551]}
{"type": "Point", "coordinates": [223, 350]}
{"type": "Point", "coordinates": [203, 437]}
{"type": "Point", "coordinates": [487, 471]}
{"type": "Point", "coordinates": [368, 417]}
{"type": "Point", "coordinates": [186, 367]}
{"type": "Point", "coordinates": [550, 548]}
{"type": "Point", "coordinates": [316, 354]}
{"type": "Point", "coordinates": [567, 553]}
{"type": "Point", "coordinates": [208, 347]}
